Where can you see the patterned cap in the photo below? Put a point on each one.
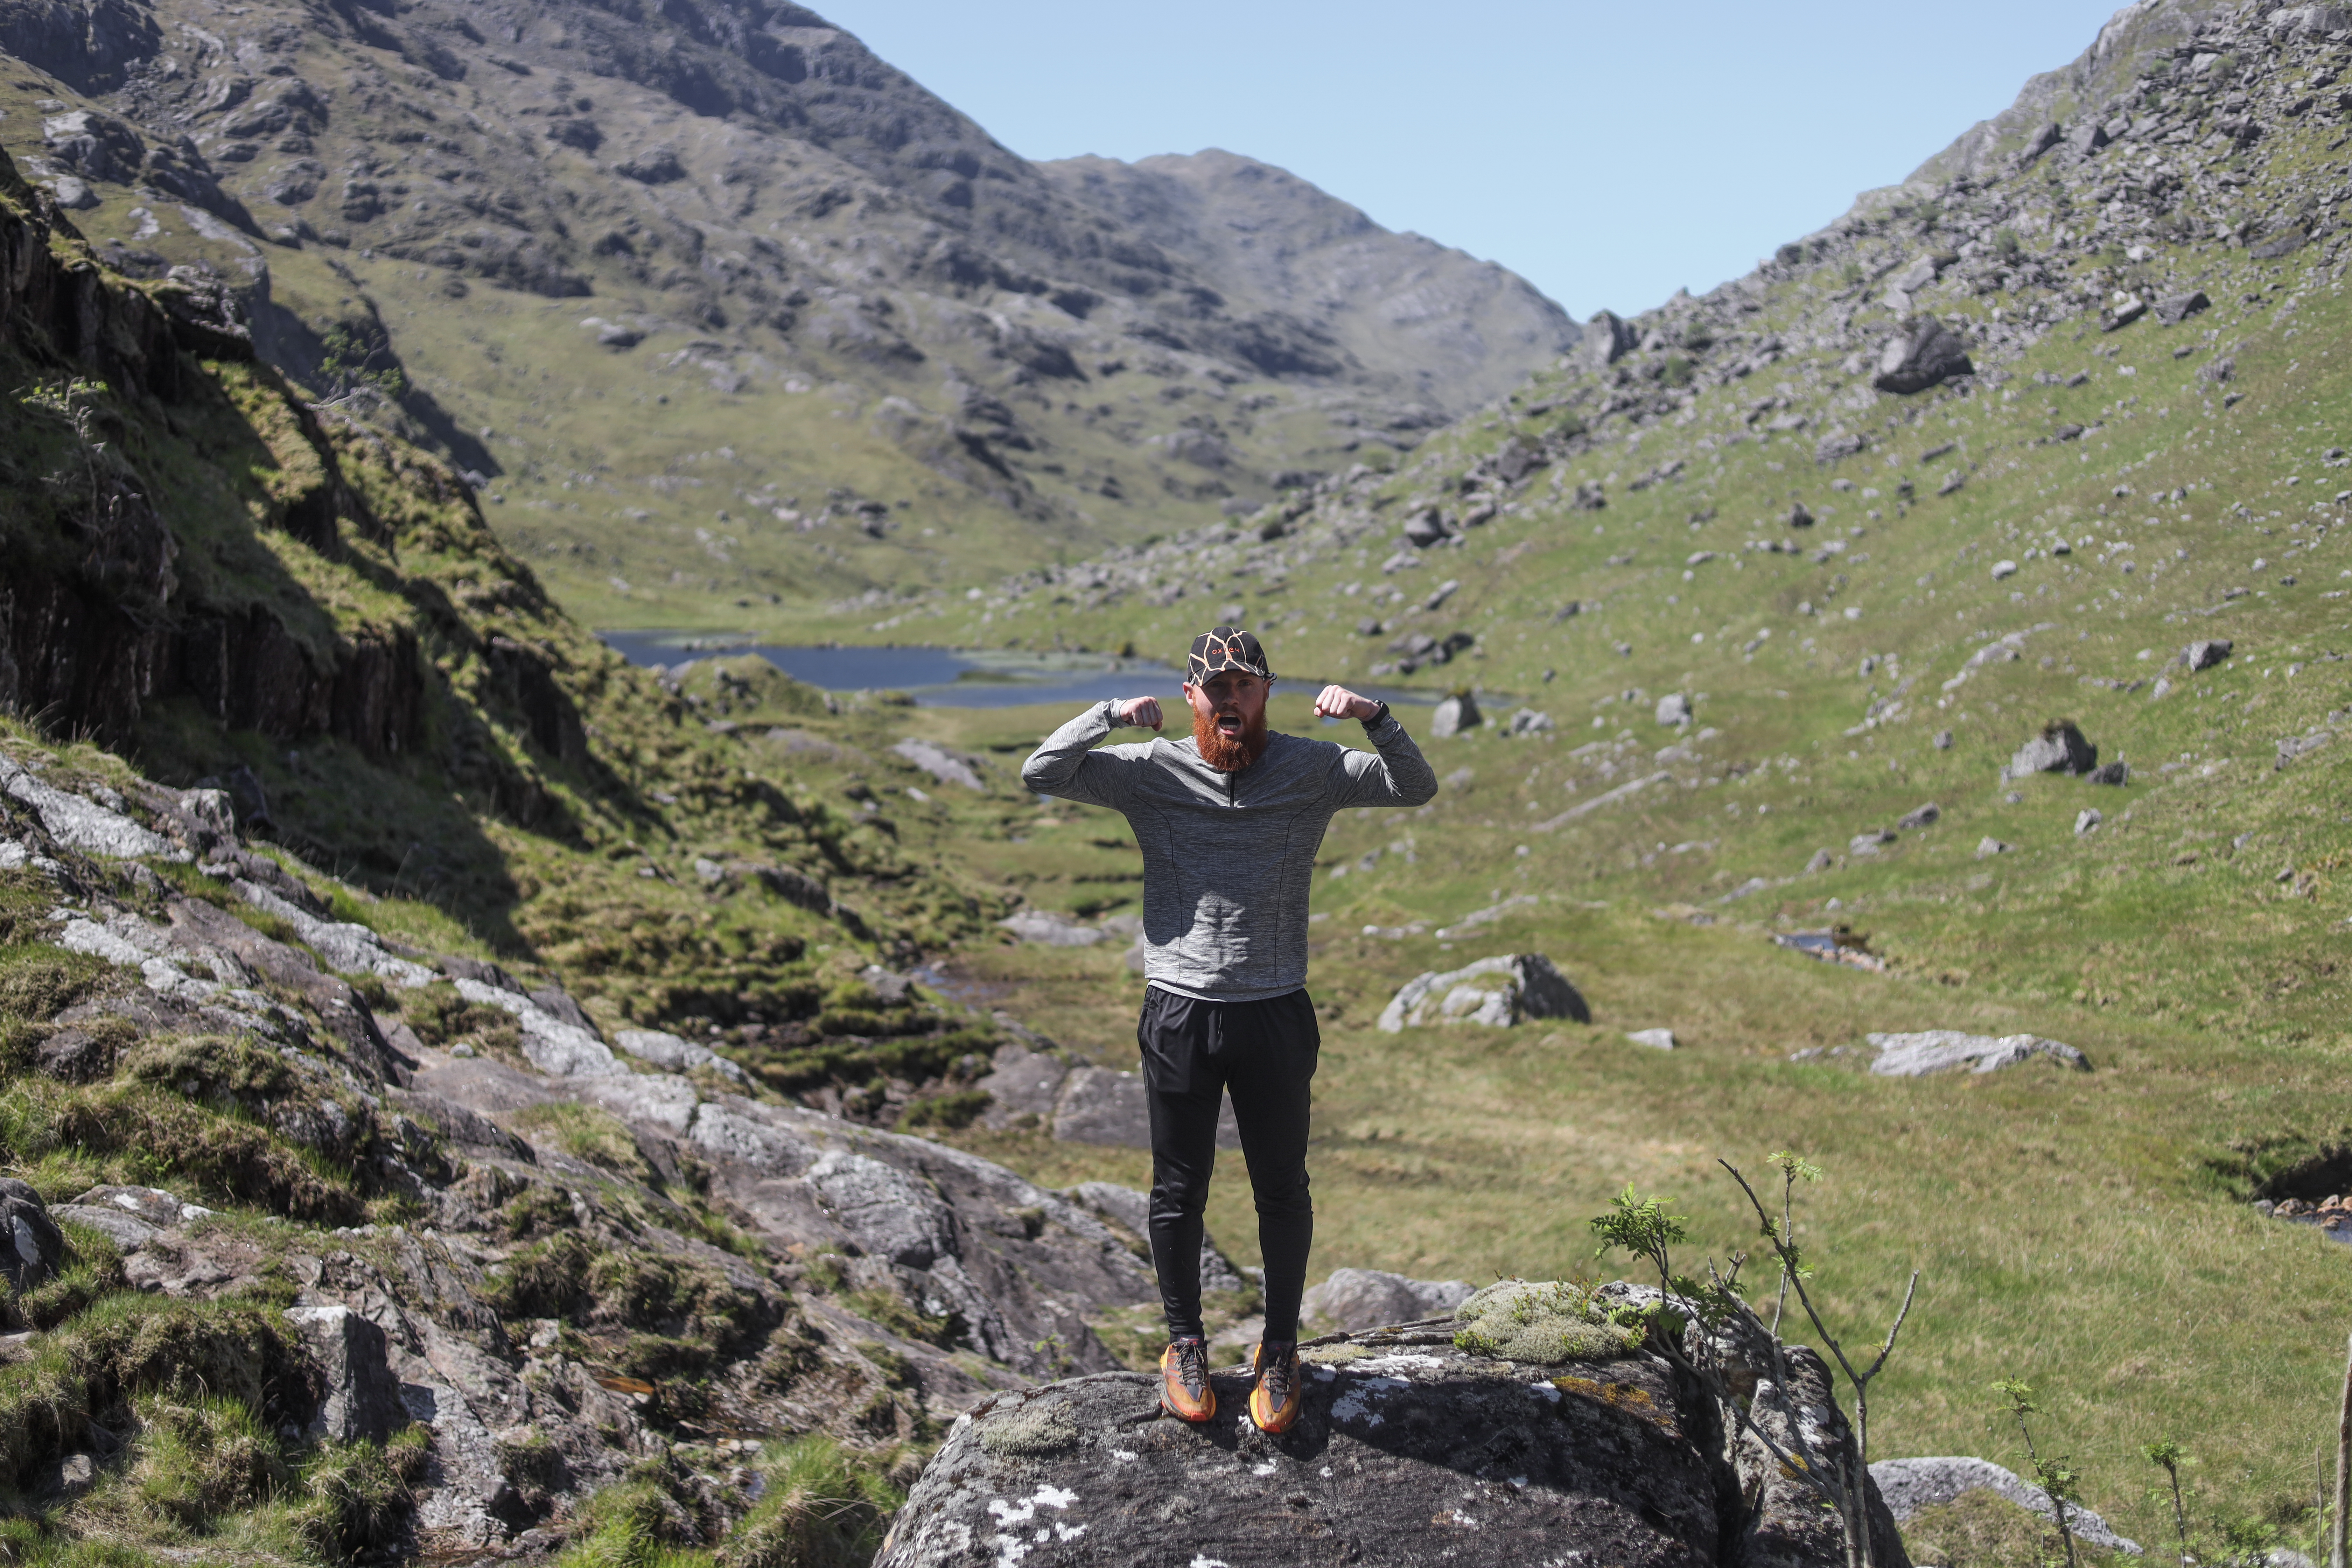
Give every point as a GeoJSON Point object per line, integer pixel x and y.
{"type": "Point", "coordinates": [1225, 648]}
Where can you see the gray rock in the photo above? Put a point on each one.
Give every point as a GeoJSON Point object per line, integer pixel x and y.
{"type": "Point", "coordinates": [1839, 444]}
{"type": "Point", "coordinates": [73, 192]}
{"type": "Point", "coordinates": [2087, 820]}
{"type": "Point", "coordinates": [1942, 739]}
{"type": "Point", "coordinates": [940, 764]}
{"type": "Point", "coordinates": [68, 1477]}
{"type": "Point", "coordinates": [32, 1248]}
{"type": "Point", "coordinates": [557, 1004]}
{"type": "Point", "coordinates": [1425, 528]}
{"type": "Point", "coordinates": [1916, 277]}
{"type": "Point", "coordinates": [1918, 818]}
{"type": "Point", "coordinates": [667, 1050]}
{"type": "Point", "coordinates": [1022, 1083]}
{"type": "Point", "coordinates": [1821, 861]}
{"type": "Point", "coordinates": [1131, 1211]}
{"type": "Point", "coordinates": [1989, 845]}
{"type": "Point", "coordinates": [2174, 308]}
{"type": "Point", "coordinates": [1050, 928]}
{"type": "Point", "coordinates": [1655, 1039]}
{"type": "Point", "coordinates": [1499, 991]}
{"type": "Point", "coordinates": [1941, 1050]}
{"type": "Point", "coordinates": [1529, 721]}
{"type": "Point", "coordinates": [1925, 354]}
{"type": "Point", "coordinates": [127, 1231]}
{"type": "Point", "coordinates": [1910, 1485]}
{"type": "Point", "coordinates": [2115, 772]}
{"type": "Point", "coordinates": [1608, 338]}
{"type": "Point", "coordinates": [361, 1397]}
{"type": "Point", "coordinates": [1113, 1109]}
{"type": "Point", "coordinates": [1868, 843]}
{"type": "Point", "coordinates": [80, 824]}
{"type": "Point", "coordinates": [1454, 715]}
{"type": "Point", "coordinates": [2207, 653]}
{"type": "Point", "coordinates": [1354, 1298]}
{"type": "Point", "coordinates": [73, 1055]}
{"type": "Point", "coordinates": [2059, 749]}
{"type": "Point", "coordinates": [889, 1213]}
{"type": "Point", "coordinates": [1408, 1450]}
{"type": "Point", "coordinates": [1673, 710]}
{"type": "Point", "coordinates": [2087, 138]}
{"type": "Point", "coordinates": [152, 1205]}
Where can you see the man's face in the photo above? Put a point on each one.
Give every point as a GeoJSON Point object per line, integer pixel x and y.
{"type": "Point", "coordinates": [1230, 701]}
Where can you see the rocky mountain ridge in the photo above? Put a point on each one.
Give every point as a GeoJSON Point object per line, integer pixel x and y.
{"type": "Point", "coordinates": [619, 240]}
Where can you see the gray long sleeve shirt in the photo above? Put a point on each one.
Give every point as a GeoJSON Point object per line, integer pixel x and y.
{"type": "Point", "coordinates": [1227, 857]}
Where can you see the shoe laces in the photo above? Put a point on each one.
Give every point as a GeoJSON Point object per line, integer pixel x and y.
{"type": "Point", "coordinates": [1193, 1364]}
{"type": "Point", "coordinates": [1281, 1376]}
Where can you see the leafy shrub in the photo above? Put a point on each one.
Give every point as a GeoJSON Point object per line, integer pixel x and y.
{"type": "Point", "coordinates": [361, 1494]}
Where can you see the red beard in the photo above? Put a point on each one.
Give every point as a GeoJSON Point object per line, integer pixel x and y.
{"type": "Point", "coordinates": [1228, 755]}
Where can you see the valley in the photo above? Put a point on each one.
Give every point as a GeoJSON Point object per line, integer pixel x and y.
{"type": "Point", "coordinates": [1961, 596]}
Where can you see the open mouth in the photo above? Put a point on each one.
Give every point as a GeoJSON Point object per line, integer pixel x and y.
{"type": "Point", "coordinates": [1229, 723]}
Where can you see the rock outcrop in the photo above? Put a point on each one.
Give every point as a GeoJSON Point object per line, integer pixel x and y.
{"type": "Point", "coordinates": [1946, 1051]}
{"type": "Point", "coordinates": [1527, 1429]}
{"type": "Point", "coordinates": [1496, 991]}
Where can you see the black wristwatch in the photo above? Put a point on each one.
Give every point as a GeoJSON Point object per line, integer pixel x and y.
{"type": "Point", "coordinates": [1376, 721]}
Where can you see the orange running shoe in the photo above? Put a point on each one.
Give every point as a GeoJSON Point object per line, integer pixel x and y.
{"type": "Point", "coordinates": [1184, 1388]}
{"type": "Point", "coordinates": [1274, 1398]}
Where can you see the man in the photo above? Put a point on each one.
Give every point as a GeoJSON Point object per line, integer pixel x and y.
{"type": "Point", "coordinates": [1229, 822]}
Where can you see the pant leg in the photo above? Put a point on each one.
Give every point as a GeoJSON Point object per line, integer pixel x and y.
{"type": "Point", "coordinates": [1273, 1047]}
{"type": "Point", "coordinates": [1184, 1090]}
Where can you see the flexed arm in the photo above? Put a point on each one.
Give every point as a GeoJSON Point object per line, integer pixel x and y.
{"type": "Point", "coordinates": [1067, 765]}
{"type": "Point", "coordinates": [1395, 773]}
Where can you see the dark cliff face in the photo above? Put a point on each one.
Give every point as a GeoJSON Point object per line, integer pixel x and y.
{"type": "Point", "coordinates": [99, 616]}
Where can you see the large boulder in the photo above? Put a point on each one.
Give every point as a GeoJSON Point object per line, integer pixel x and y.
{"type": "Point", "coordinates": [1455, 715]}
{"type": "Point", "coordinates": [1529, 1430]}
{"type": "Point", "coordinates": [1920, 356]}
{"type": "Point", "coordinates": [1500, 991]}
{"type": "Point", "coordinates": [2061, 748]}
{"type": "Point", "coordinates": [361, 1396]}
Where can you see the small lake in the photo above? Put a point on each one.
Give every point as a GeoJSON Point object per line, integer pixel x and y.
{"type": "Point", "coordinates": [943, 677]}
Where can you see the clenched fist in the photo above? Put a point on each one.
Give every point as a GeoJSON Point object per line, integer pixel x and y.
{"type": "Point", "coordinates": [1142, 712]}
{"type": "Point", "coordinates": [1338, 702]}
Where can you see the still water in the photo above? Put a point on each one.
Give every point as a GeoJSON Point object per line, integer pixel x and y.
{"type": "Point", "coordinates": [944, 677]}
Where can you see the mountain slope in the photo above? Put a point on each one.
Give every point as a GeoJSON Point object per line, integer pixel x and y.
{"type": "Point", "coordinates": [725, 311]}
{"type": "Point", "coordinates": [1450, 330]}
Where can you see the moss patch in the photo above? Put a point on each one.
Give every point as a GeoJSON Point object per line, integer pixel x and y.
{"type": "Point", "coordinates": [1543, 1323]}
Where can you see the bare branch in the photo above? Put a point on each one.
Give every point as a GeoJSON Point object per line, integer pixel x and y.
{"type": "Point", "coordinates": [1894, 1329]}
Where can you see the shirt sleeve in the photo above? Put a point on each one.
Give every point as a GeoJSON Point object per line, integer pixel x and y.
{"type": "Point", "coordinates": [1393, 773]}
{"type": "Point", "coordinates": [1067, 765]}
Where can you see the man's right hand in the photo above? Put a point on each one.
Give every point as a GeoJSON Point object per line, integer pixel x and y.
{"type": "Point", "coordinates": [1141, 712]}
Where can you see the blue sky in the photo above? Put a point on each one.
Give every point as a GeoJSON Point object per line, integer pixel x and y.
{"type": "Point", "coordinates": [1609, 154]}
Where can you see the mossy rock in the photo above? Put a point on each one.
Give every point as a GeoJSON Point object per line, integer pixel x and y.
{"type": "Point", "coordinates": [1544, 1323]}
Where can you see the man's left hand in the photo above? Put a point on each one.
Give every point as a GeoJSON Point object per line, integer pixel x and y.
{"type": "Point", "coordinates": [1338, 702]}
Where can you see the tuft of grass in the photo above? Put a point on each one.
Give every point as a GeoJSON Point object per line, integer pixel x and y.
{"type": "Point", "coordinates": [587, 1132]}
{"type": "Point", "coordinates": [822, 1509]}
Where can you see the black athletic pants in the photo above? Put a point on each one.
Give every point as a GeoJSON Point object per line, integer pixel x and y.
{"type": "Point", "coordinates": [1265, 1053]}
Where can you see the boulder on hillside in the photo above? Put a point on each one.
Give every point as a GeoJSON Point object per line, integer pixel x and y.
{"type": "Point", "coordinates": [1673, 710]}
{"type": "Point", "coordinates": [1355, 1298]}
{"type": "Point", "coordinates": [1454, 715]}
{"type": "Point", "coordinates": [2174, 308]}
{"type": "Point", "coordinates": [1943, 1050]}
{"type": "Point", "coordinates": [2059, 749]}
{"type": "Point", "coordinates": [1608, 338]}
{"type": "Point", "coordinates": [1910, 1485]}
{"type": "Point", "coordinates": [1922, 355]}
{"type": "Point", "coordinates": [1497, 990]}
{"type": "Point", "coordinates": [2206, 654]}
{"type": "Point", "coordinates": [1528, 1429]}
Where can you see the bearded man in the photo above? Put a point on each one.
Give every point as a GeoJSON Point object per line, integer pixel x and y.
{"type": "Point", "coordinates": [1229, 822]}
